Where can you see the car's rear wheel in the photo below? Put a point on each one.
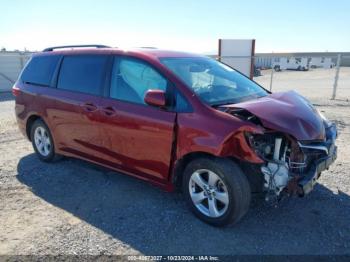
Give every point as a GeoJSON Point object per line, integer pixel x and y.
{"type": "Point", "coordinates": [42, 141]}
{"type": "Point", "coordinates": [216, 190]}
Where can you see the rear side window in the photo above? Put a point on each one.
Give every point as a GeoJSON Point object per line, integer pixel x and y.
{"type": "Point", "coordinates": [40, 70]}
{"type": "Point", "coordinates": [83, 73]}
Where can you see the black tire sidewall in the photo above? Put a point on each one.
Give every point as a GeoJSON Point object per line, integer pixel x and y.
{"type": "Point", "coordinates": [220, 167]}
{"type": "Point", "coordinates": [51, 155]}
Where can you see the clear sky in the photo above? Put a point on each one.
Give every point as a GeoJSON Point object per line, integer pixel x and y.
{"type": "Point", "coordinates": [192, 25]}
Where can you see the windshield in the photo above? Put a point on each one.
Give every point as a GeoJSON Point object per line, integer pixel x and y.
{"type": "Point", "coordinates": [214, 82]}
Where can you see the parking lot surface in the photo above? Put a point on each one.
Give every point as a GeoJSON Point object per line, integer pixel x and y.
{"type": "Point", "coordinates": [73, 207]}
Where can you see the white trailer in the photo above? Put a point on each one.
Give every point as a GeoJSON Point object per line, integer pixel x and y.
{"type": "Point", "coordinates": [323, 62]}
{"type": "Point", "coordinates": [285, 63]}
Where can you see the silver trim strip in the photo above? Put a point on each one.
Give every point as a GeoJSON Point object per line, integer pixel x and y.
{"type": "Point", "coordinates": [323, 148]}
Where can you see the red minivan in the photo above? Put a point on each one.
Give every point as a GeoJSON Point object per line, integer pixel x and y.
{"type": "Point", "coordinates": [177, 120]}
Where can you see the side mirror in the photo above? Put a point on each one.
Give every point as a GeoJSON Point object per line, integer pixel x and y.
{"type": "Point", "coordinates": [155, 98]}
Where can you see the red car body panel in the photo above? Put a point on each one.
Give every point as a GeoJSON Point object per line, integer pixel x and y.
{"type": "Point", "coordinates": [215, 133]}
{"type": "Point", "coordinates": [287, 112]}
{"type": "Point", "coordinates": [145, 141]}
{"type": "Point", "coordinates": [142, 142]}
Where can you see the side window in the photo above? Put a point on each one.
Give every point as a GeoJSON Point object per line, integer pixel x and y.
{"type": "Point", "coordinates": [83, 73]}
{"type": "Point", "coordinates": [40, 69]}
{"type": "Point", "coordinates": [132, 78]}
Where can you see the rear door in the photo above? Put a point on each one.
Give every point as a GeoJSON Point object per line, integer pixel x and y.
{"type": "Point", "coordinates": [137, 137]}
{"type": "Point", "coordinates": [75, 116]}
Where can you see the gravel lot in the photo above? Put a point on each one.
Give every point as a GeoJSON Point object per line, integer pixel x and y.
{"type": "Point", "coordinates": [73, 207]}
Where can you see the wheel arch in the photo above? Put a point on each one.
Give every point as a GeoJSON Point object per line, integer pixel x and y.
{"type": "Point", "coordinates": [29, 123]}
{"type": "Point", "coordinates": [180, 165]}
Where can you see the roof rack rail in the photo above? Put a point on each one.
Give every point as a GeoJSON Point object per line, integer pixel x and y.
{"type": "Point", "coordinates": [49, 49]}
{"type": "Point", "coordinates": [148, 47]}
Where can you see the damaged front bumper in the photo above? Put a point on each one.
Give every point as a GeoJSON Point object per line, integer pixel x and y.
{"type": "Point", "coordinates": [307, 182]}
{"type": "Point", "coordinates": [293, 167]}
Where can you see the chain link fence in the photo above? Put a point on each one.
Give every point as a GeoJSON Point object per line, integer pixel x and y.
{"type": "Point", "coordinates": [326, 77]}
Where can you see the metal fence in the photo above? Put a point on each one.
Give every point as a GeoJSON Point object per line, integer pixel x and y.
{"type": "Point", "coordinates": [313, 82]}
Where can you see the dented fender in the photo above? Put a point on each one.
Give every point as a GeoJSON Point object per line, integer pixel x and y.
{"type": "Point", "coordinates": [222, 137]}
{"type": "Point", "coordinates": [236, 145]}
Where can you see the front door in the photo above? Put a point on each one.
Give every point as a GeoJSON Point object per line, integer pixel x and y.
{"type": "Point", "coordinates": [137, 137]}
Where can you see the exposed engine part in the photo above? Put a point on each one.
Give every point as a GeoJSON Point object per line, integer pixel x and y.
{"type": "Point", "coordinates": [276, 177]}
{"type": "Point", "coordinates": [288, 161]}
{"type": "Point", "coordinates": [276, 153]}
{"type": "Point", "coordinates": [263, 144]}
{"type": "Point", "coordinates": [276, 172]}
{"type": "Point", "coordinates": [284, 159]}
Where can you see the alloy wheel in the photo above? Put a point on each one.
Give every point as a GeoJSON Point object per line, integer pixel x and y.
{"type": "Point", "coordinates": [42, 141]}
{"type": "Point", "coordinates": [208, 193]}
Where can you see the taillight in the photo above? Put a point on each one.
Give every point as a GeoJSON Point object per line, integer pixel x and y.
{"type": "Point", "coordinates": [15, 90]}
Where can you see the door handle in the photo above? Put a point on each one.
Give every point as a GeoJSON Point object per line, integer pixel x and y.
{"type": "Point", "coordinates": [108, 111]}
{"type": "Point", "coordinates": [90, 107]}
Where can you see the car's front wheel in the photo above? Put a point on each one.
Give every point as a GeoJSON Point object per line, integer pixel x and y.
{"type": "Point", "coordinates": [42, 141]}
{"type": "Point", "coordinates": [216, 190]}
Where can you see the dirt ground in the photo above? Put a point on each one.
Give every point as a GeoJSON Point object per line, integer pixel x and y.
{"type": "Point", "coordinates": [72, 207]}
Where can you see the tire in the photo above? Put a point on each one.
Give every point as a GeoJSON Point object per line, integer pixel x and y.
{"type": "Point", "coordinates": [277, 68]}
{"type": "Point", "coordinates": [231, 186]}
{"type": "Point", "coordinates": [46, 152]}
{"type": "Point", "coordinates": [254, 175]}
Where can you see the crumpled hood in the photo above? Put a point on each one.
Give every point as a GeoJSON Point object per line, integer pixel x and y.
{"type": "Point", "coordinates": [286, 112]}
